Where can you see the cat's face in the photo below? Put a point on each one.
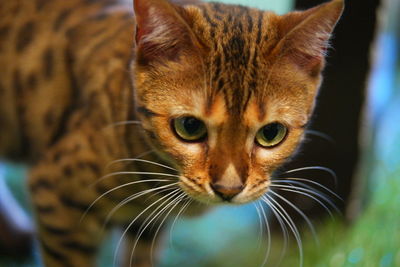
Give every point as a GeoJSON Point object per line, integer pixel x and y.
{"type": "Point", "coordinates": [225, 92]}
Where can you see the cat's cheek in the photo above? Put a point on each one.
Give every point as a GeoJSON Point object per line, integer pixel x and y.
{"type": "Point", "coordinates": [198, 191]}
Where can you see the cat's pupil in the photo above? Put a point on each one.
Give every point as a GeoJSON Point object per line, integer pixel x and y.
{"type": "Point", "coordinates": [271, 131]}
{"type": "Point", "coordinates": [192, 125]}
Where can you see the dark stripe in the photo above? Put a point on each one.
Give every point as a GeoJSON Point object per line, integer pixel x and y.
{"type": "Point", "coordinates": [249, 21]}
{"type": "Point", "coordinates": [219, 7]}
{"type": "Point", "coordinates": [40, 4]}
{"type": "Point", "coordinates": [72, 105]}
{"type": "Point", "coordinates": [49, 118]}
{"type": "Point", "coordinates": [21, 108]}
{"type": "Point", "coordinates": [146, 112]}
{"type": "Point", "coordinates": [45, 209]}
{"type": "Point", "coordinates": [54, 254]}
{"type": "Point", "coordinates": [104, 41]}
{"type": "Point", "coordinates": [79, 247]}
{"type": "Point", "coordinates": [67, 171]}
{"type": "Point", "coordinates": [25, 35]}
{"type": "Point", "coordinates": [259, 26]}
{"type": "Point", "coordinates": [41, 184]}
{"type": "Point", "coordinates": [217, 65]}
{"type": "Point", "coordinates": [17, 83]}
{"type": "Point", "coordinates": [207, 17]}
{"type": "Point", "coordinates": [74, 204]}
{"type": "Point", "coordinates": [4, 30]}
{"type": "Point", "coordinates": [151, 134]}
{"type": "Point", "coordinates": [32, 81]}
{"type": "Point", "coordinates": [48, 62]}
{"type": "Point", "coordinates": [60, 20]}
{"type": "Point", "coordinates": [54, 230]}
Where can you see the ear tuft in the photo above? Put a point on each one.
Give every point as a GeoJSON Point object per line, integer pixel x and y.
{"type": "Point", "coordinates": [161, 31]}
{"type": "Point", "coordinates": [306, 34]}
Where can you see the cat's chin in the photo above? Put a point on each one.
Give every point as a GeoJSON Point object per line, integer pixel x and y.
{"type": "Point", "coordinates": [206, 195]}
{"type": "Point", "coordinates": [213, 200]}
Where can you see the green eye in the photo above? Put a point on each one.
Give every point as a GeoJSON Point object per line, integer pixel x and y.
{"type": "Point", "coordinates": [189, 129]}
{"type": "Point", "coordinates": [271, 135]}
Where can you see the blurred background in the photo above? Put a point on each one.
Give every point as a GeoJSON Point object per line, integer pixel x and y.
{"type": "Point", "coordinates": [355, 132]}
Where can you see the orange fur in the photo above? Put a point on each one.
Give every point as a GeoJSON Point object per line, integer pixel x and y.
{"type": "Point", "coordinates": [76, 71]}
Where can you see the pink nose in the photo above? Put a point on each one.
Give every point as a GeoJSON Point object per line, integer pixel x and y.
{"type": "Point", "coordinates": [226, 192]}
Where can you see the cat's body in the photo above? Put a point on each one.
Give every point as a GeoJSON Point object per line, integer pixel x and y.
{"type": "Point", "coordinates": [67, 105]}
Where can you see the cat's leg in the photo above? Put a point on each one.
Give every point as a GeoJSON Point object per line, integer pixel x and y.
{"type": "Point", "coordinates": [61, 187]}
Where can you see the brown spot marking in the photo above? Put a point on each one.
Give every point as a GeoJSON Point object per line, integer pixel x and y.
{"type": "Point", "coordinates": [80, 247]}
{"type": "Point", "coordinates": [42, 183]}
{"type": "Point", "coordinates": [25, 35]}
{"type": "Point", "coordinates": [45, 209]}
{"type": "Point", "coordinates": [60, 20]}
{"type": "Point", "coordinates": [48, 62]}
{"type": "Point", "coordinates": [67, 171]}
{"type": "Point", "coordinates": [89, 165]}
{"type": "Point", "coordinates": [32, 81]}
{"type": "Point", "coordinates": [57, 156]}
{"type": "Point", "coordinates": [49, 119]}
{"type": "Point", "coordinates": [4, 30]}
{"type": "Point", "coordinates": [40, 4]}
{"type": "Point", "coordinates": [17, 82]}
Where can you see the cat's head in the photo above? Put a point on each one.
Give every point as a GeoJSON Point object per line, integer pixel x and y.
{"type": "Point", "coordinates": [224, 92]}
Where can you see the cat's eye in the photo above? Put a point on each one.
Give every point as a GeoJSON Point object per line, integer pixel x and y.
{"type": "Point", "coordinates": [189, 129]}
{"type": "Point", "coordinates": [271, 135]}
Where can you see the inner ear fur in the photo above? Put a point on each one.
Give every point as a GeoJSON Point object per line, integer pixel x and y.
{"type": "Point", "coordinates": [305, 35]}
{"type": "Point", "coordinates": [162, 31]}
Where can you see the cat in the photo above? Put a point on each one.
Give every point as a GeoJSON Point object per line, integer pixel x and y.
{"type": "Point", "coordinates": [122, 112]}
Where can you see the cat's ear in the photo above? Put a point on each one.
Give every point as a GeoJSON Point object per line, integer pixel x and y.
{"type": "Point", "coordinates": [305, 34]}
{"type": "Point", "coordinates": [162, 31]}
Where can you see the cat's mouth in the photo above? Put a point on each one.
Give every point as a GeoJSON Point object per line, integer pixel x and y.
{"type": "Point", "coordinates": [217, 194]}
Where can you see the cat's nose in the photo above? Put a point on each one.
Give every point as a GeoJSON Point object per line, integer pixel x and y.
{"type": "Point", "coordinates": [226, 192]}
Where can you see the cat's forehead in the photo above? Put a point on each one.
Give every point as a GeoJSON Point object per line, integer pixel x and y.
{"type": "Point", "coordinates": [233, 26]}
{"type": "Point", "coordinates": [237, 39]}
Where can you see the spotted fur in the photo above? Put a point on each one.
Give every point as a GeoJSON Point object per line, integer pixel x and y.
{"type": "Point", "coordinates": [76, 74]}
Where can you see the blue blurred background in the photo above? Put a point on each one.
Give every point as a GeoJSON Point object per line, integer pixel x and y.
{"type": "Point", "coordinates": [230, 236]}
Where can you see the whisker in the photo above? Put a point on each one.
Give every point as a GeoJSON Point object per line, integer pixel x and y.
{"type": "Point", "coordinates": [128, 199]}
{"type": "Point", "coordinates": [121, 123]}
{"type": "Point", "coordinates": [290, 223]}
{"type": "Point", "coordinates": [184, 207]}
{"type": "Point", "coordinates": [295, 181]}
{"type": "Point", "coordinates": [178, 195]}
{"type": "Point", "coordinates": [285, 232]}
{"type": "Point", "coordinates": [312, 197]}
{"type": "Point", "coordinates": [116, 188]}
{"type": "Point", "coordinates": [268, 235]}
{"type": "Point", "coordinates": [144, 161]}
{"type": "Point", "coordinates": [260, 224]}
{"type": "Point", "coordinates": [159, 227]}
{"type": "Point", "coordinates": [157, 193]}
{"type": "Point", "coordinates": [325, 169]}
{"type": "Point", "coordinates": [310, 225]}
{"type": "Point", "coordinates": [134, 220]}
{"type": "Point", "coordinates": [321, 135]}
{"type": "Point", "coordinates": [154, 211]}
{"type": "Point", "coordinates": [141, 155]}
{"type": "Point", "coordinates": [305, 190]}
{"type": "Point", "coordinates": [134, 173]}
